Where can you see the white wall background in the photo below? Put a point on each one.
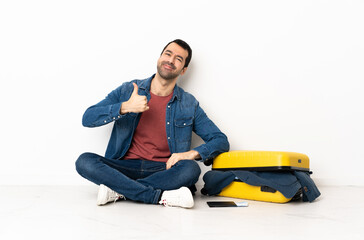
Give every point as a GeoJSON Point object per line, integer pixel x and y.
{"type": "Point", "coordinates": [273, 75]}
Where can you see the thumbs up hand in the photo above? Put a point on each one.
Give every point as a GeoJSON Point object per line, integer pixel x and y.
{"type": "Point", "coordinates": [135, 104]}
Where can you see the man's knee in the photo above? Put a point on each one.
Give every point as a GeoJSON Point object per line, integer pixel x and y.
{"type": "Point", "coordinates": [191, 167]}
{"type": "Point", "coordinates": [84, 162]}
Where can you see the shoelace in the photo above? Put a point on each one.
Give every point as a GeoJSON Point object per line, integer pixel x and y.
{"type": "Point", "coordinates": [119, 196]}
{"type": "Point", "coordinates": [164, 202]}
{"type": "Point", "coordinates": [168, 204]}
{"type": "Point", "coordinates": [112, 194]}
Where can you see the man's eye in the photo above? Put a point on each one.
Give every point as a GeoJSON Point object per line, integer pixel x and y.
{"type": "Point", "coordinates": [179, 59]}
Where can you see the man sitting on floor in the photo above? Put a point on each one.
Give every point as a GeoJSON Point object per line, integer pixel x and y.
{"type": "Point", "coordinates": [149, 157]}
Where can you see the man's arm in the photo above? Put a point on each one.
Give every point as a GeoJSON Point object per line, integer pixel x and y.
{"type": "Point", "coordinates": [216, 142]}
{"type": "Point", "coordinates": [117, 104]}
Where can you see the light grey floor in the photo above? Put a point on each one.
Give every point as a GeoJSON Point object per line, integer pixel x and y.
{"type": "Point", "coordinates": [70, 212]}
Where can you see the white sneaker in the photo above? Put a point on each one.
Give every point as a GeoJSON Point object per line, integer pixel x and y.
{"type": "Point", "coordinates": [177, 198]}
{"type": "Point", "coordinates": [106, 195]}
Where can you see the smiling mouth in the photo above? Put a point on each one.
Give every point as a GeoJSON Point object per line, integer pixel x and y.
{"type": "Point", "coordinates": [169, 66]}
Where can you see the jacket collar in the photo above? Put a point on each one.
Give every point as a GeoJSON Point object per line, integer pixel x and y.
{"type": "Point", "coordinates": [146, 86]}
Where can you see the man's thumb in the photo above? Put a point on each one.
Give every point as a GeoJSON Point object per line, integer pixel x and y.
{"type": "Point", "coordinates": [135, 91]}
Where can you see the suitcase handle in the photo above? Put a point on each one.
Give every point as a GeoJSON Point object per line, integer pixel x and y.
{"type": "Point", "coordinates": [267, 189]}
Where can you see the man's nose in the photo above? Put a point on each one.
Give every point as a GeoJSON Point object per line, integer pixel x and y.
{"type": "Point", "coordinates": [172, 59]}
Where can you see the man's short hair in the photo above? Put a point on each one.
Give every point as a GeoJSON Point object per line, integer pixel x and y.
{"type": "Point", "coordinates": [185, 46]}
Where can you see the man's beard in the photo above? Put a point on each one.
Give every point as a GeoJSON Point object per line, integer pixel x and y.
{"type": "Point", "coordinates": [166, 74]}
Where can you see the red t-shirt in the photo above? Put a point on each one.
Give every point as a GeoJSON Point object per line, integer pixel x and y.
{"type": "Point", "coordinates": [150, 137]}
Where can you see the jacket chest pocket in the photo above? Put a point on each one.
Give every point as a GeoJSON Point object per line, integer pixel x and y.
{"type": "Point", "coordinates": [183, 130]}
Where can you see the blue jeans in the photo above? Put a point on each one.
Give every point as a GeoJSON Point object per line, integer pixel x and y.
{"type": "Point", "coordinates": [138, 180]}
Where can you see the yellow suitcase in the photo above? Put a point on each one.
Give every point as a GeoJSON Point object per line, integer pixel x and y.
{"type": "Point", "coordinates": [261, 161]}
{"type": "Point", "coordinates": [258, 161]}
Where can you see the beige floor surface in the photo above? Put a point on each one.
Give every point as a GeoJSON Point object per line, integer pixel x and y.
{"type": "Point", "coordinates": [70, 212]}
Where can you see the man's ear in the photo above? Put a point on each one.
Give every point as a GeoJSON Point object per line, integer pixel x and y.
{"type": "Point", "coordinates": [183, 71]}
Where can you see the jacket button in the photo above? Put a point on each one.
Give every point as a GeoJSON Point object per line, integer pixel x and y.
{"type": "Point", "coordinates": [168, 123]}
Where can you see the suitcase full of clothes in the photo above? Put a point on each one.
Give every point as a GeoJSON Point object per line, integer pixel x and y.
{"type": "Point", "coordinates": [260, 163]}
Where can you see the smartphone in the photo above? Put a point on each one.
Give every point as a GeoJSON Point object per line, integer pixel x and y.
{"type": "Point", "coordinates": [222, 204]}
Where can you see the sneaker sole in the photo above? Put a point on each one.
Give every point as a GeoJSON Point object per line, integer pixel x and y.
{"type": "Point", "coordinates": [101, 196]}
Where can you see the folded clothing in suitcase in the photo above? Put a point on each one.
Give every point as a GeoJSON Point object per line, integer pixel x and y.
{"type": "Point", "coordinates": [260, 175]}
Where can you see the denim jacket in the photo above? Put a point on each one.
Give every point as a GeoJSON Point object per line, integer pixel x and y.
{"type": "Point", "coordinates": [183, 115]}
